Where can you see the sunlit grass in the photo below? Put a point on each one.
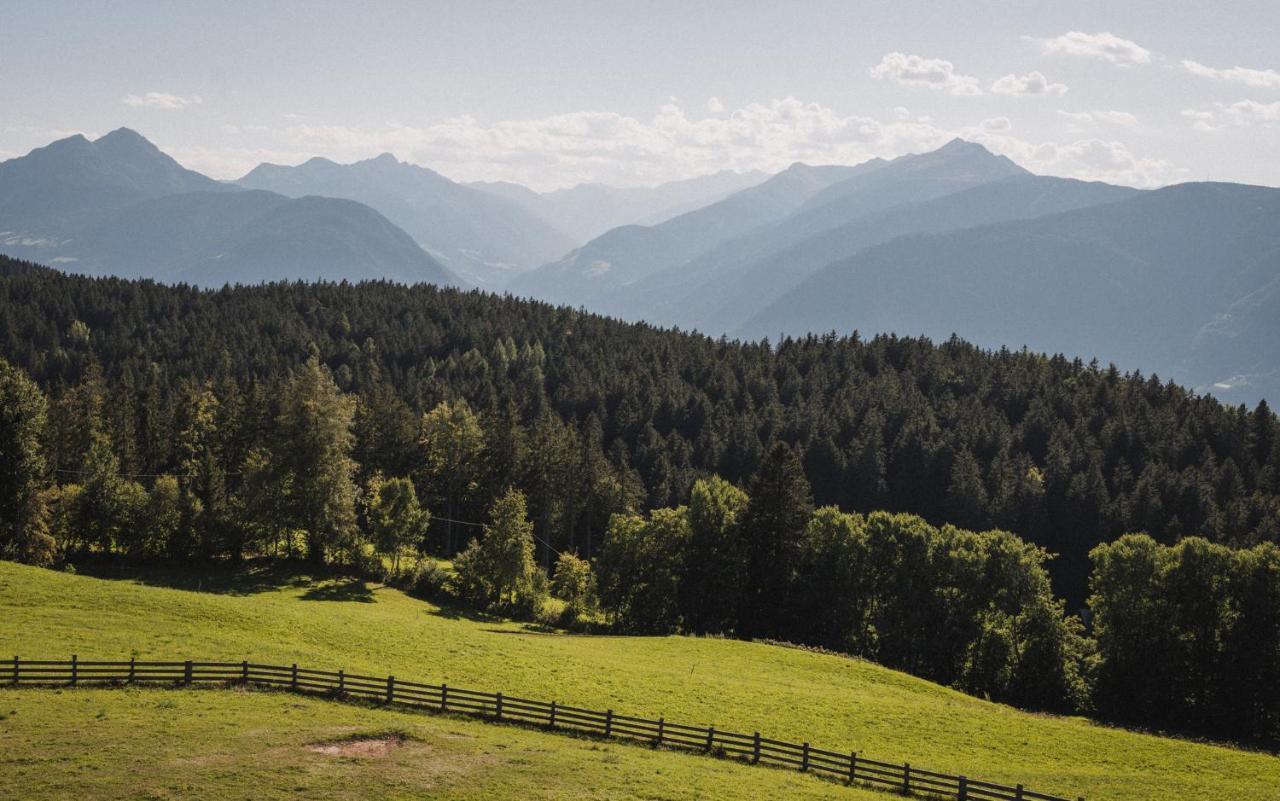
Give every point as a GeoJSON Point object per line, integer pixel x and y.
{"type": "Point", "coordinates": [834, 702]}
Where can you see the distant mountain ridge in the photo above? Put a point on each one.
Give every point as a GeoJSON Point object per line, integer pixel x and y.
{"type": "Point", "coordinates": [588, 210]}
{"type": "Point", "coordinates": [599, 273]}
{"type": "Point", "coordinates": [485, 238]}
{"type": "Point", "coordinates": [118, 205]}
{"type": "Point", "coordinates": [1182, 281]}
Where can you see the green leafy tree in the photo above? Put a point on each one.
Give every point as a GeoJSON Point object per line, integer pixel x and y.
{"type": "Point", "coordinates": [315, 468]}
{"type": "Point", "coordinates": [574, 582]}
{"type": "Point", "coordinates": [714, 569]}
{"type": "Point", "coordinates": [498, 568]}
{"type": "Point", "coordinates": [453, 460]}
{"type": "Point", "coordinates": [161, 520]}
{"type": "Point", "coordinates": [397, 523]}
{"type": "Point", "coordinates": [639, 570]}
{"type": "Point", "coordinates": [24, 517]}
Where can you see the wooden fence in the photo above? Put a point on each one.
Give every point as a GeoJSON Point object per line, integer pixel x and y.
{"type": "Point", "coordinates": [849, 767]}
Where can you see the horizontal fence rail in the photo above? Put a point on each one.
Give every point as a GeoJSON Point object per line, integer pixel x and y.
{"type": "Point", "coordinates": [847, 766]}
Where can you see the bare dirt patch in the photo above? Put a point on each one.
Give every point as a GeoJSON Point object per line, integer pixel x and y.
{"type": "Point", "coordinates": [360, 747]}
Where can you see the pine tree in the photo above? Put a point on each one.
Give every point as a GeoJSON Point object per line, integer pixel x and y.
{"type": "Point", "coordinates": [773, 528]}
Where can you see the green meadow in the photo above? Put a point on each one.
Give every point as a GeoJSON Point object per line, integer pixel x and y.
{"type": "Point", "coordinates": [94, 743]}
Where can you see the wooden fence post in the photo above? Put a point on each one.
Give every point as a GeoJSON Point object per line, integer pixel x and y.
{"type": "Point", "coordinates": [804, 758]}
{"type": "Point", "coordinates": [964, 790]}
{"type": "Point", "coordinates": [662, 722]}
{"type": "Point", "coordinates": [74, 669]}
{"type": "Point", "coordinates": [444, 698]}
{"type": "Point", "coordinates": [244, 671]}
{"type": "Point", "coordinates": [853, 766]}
{"type": "Point", "coordinates": [551, 722]}
{"type": "Point", "coordinates": [293, 677]}
{"type": "Point", "coordinates": [608, 723]}
{"type": "Point", "coordinates": [1018, 793]}
{"type": "Point", "coordinates": [15, 669]}
{"type": "Point", "coordinates": [755, 751]}
{"type": "Point", "coordinates": [391, 689]}
{"type": "Point", "coordinates": [711, 738]}
{"type": "Point", "coordinates": [498, 707]}
{"type": "Point", "coordinates": [133, 664]}
{"type": "Point", "coordinates": [906, 779]}
{"type": "Point", "coordinates": [186, 672]}
{"type": "Point", "coordinates": [342, 681]}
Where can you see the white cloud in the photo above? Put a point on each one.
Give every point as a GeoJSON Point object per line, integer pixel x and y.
{"type": "Point", "coordinates": [1105, 46]}
{"type": "Point", "coordinates": [1093, 119]}
{"type": "Point", "coordinates": [161, 100]}
{"type": "Point", "coordinates": [560, 150]}
{"type": "Point", "coordinates": [1261, 79]}
{"type": "Point", "coordinates": [934, 73]}
{"type": "Point", "coordinates": [714, 105]}
{"type": "Point", "coordinates": [1087, 159]}
{"type": "Point", "coordinates": [1031, 84]}
{"type": "Point", "coordinates": [1241, 114]}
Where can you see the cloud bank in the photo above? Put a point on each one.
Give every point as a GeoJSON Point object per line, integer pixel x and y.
{"type": "Point", "coordinates": [1261, 79]}
{"type": "Point", "coordinates": [934, 73]}
{"type": "Point", "coordinates": [161, 100]}
{"type": "Point", "coordinates": [559, 150]}
{"type": "Point", "coordinates": [1032, 84]}
{"type": "Point", "coordinates": [1105, 46]}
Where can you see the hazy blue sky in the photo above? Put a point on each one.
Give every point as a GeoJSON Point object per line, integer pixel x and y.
{"type": "Point", "coordinates": [554, 93]}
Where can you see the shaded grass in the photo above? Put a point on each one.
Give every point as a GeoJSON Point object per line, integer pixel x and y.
{"type": "Point", "coordinates": [836, 703]}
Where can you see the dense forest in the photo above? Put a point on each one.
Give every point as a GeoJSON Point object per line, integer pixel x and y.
{"type": "Point", "coordinates": [1064, 454]}
{"type": "Point", "coordinates": [923, 505]}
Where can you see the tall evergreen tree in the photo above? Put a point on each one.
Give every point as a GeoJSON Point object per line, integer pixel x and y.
{"type": "Point", "coordinates": [773, 528]}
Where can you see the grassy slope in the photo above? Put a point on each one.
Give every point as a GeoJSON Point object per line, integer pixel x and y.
{"type": "Point", "coordinates": [103, 745]}
{"type": "Point", "coordinates": [786, 693]}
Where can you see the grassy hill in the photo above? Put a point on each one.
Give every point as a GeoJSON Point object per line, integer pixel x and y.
{"type": "Point", "coordinates": [280, 616]}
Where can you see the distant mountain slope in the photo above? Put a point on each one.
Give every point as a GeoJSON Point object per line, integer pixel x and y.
{"type": "Point", "coordinates": [586, 211]}
{"type": "Point", "coordinates": [1179, 281]}
{"type": "Point", "coordinates": [670, 296]}
{"type": "Point", "coordinates": [74, 176]}
{"type": "Point", "coordinates": [598, 273]}
{"type": "Point", "coordinates": [120, 206]}
{"type": "Point", "coordinates": [717, 293]}
{"type": "Point", "coordinates": [481, 236]}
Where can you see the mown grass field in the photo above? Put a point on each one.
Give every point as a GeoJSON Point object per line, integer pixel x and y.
{"type": "Point", "coordinates": [276, 616]}
{"type": "Point", "coordinates": [100, 744]}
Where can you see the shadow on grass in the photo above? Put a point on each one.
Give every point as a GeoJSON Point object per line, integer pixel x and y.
{"type": "Point", "coordinates": [221, 578]}
{"type": "Point", "coordinates": [338, 590]}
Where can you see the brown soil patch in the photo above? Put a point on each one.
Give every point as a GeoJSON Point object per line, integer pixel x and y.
{"type": "Point", "coordinates": [360, 747]}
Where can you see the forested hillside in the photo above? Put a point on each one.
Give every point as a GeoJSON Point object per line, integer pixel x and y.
{"type": "Point", "coordinates": [1067, 455]}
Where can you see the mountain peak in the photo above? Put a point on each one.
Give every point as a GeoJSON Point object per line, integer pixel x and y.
{"type": "Point", "coordinates": [386, 158]}
{"type": "Point", "coordinates": [122, 135]}
{"type": "Point", "coordinates": [959, 145]}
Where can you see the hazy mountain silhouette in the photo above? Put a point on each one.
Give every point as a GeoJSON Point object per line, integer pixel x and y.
{"type": "Point", "coordinates": [593, 273]}
{"type": "Point", "coordinates": [483, 237]}
{"type": "Point", "coordinates": [1181, 281]}
{"type": "Point", "coordinates": [588, 210]}
{"type": "Point", "coordinates": [120, 206]}
{"type": "Point", "coordinates": [723, 289]}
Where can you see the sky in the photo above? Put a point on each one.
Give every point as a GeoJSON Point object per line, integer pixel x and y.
{"type": "Point", "coordinates": [550, 94]}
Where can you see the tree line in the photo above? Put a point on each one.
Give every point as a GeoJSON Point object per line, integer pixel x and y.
{"type": "Point", "coordinates": [633, 469]}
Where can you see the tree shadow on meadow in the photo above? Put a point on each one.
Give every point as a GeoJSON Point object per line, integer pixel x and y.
{"type": "Point", "coordinates": [247, 578]}
{"type": "Point", "coordinates": [351, 589]}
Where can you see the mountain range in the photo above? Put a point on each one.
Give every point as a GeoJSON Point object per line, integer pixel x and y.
{"type": "Point", "coordinates": [588, 210]}
{"type": "Point", "coordinates": [117, 205]}
{"type": "Point", "coordinates": [1182, 281]}
{"type": "Point", "coordinates": [482, 237]}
